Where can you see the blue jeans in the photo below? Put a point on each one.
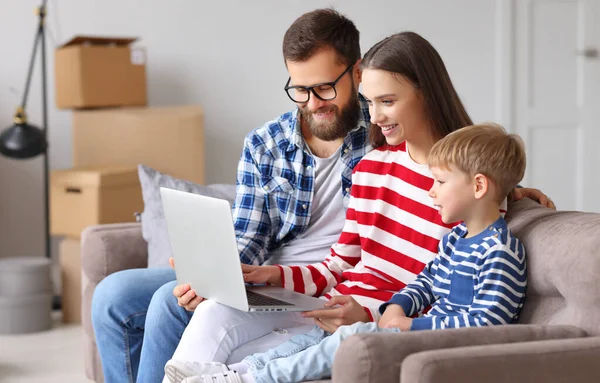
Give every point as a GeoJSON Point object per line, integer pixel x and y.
{"type": "Point", "coordinates": [306, 356]}
{"type": "Point", "coordinates": [137, 324]}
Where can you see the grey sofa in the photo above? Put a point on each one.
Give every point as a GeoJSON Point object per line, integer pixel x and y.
{"type": "Point", "coordinates": [557, 338]}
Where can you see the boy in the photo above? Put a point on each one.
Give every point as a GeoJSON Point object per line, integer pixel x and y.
{"type": "Point", "coordinates": [477, 279]}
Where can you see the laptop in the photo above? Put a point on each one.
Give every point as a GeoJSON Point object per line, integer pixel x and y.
{"type": "Point", "coordinates": [206, 256]}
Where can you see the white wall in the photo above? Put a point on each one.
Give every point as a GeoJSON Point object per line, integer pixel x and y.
{"type": "Point", "coordinates": [224, 55]}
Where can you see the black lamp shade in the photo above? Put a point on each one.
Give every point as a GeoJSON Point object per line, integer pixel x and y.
{"type": "Point", "coordinates": [22, 141]}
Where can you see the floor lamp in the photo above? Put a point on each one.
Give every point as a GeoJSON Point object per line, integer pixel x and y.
{"type": "Point", "coordinates": [22, 140]}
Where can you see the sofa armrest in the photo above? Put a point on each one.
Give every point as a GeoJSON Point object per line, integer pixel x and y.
{"type": "Point", "coordinates": [105, 249]}
{"type": "Point", "coordinates": [109, 248]}
{"type": "Point", "coordinates": [376, 357]}
{"type": "Point", "coordinates": [550, 361]}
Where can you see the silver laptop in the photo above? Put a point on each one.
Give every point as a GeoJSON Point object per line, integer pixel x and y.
{"type": "Point", "coordinates": [206, 256]}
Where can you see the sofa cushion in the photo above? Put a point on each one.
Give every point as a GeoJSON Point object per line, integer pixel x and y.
{"type": "Point", "coordinates": [563, 262]}
{"type": "Point", "coordinates": [379, 357]}
{"type": "Point", "coordinates": [154, 226]}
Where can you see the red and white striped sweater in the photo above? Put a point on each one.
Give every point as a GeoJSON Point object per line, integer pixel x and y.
{"type": "Point", "coordinates": [391, 232]}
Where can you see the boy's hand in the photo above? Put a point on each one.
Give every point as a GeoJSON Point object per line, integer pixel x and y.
{"type": "Point", "coordinates": [262, 274]}
{"type": "Point", "coordinates": [394, 317]}
{"type": "Point", "coordinates": [349, 312]}
{"type": "Point", "coordinates": [186, 297]}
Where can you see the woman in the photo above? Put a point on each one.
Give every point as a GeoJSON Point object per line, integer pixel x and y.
{"type": "Point", "coordinates": [391, 231]}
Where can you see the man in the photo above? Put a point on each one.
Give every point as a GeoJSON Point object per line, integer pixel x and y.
{"type": "Point", "coordinates": [293, 185]}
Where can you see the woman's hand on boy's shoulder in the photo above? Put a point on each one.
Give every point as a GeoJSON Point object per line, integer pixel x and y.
{"type": "Point", "coordinates": [534, 194]}
{"type": "Point", "coordinates": [348, 312]}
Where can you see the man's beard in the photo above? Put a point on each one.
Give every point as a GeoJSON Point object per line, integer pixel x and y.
{"type": "Point", "coordinates": [343, 121]}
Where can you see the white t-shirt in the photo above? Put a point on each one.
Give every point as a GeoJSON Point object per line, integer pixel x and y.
{"type": "Point", "coordinates": [326, 220]}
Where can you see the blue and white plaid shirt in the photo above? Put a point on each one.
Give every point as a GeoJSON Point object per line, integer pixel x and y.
{"type": "Point", "coordinates": [275, 183]}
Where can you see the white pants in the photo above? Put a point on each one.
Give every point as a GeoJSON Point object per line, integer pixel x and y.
{"type": "Point", "coordinates": [216, 330]}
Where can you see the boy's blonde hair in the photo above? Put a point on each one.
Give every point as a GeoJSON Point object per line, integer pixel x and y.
{"type": "Point", "coordinates": [483, 149]}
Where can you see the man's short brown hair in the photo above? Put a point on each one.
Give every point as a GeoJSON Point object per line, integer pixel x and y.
{"type": "Point", "coordinates": [322, 28]}
{"type": "Point", "coordinates": [483, 149]}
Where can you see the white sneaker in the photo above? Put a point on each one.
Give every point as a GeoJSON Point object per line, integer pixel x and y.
{"type": "Point", "coordinates": [221, 377]}
{"type": "Point", "coordinates": [177, 370]}
{"type": "Point", "coordinates": [193, 379]}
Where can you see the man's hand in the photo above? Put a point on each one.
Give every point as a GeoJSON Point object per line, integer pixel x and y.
{"type": "Point", "coordinates": [349, 312]}
{"type": "Point", "coordinates": [186, 297]}
{"type": "Point", "coordinates": [394, 317]}
{"type": "Point", "coordinates": [534, 194]}
{"type": "Point", "coordinates": [262, 274]}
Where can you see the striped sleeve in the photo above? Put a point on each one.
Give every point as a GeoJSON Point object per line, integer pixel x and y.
{"type": "Point", "coordinates": [500, 291]}
{"type": "Point", "coordinates": [419, 294]}
{"type": "Point", "coordinates": [317, 279]}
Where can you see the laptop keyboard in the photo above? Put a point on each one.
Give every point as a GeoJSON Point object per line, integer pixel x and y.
{"type": "Point", "coordinates": [256, 299]}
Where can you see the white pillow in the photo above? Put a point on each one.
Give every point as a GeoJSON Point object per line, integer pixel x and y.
{"type": "Point", "coordinates": [154, 226]}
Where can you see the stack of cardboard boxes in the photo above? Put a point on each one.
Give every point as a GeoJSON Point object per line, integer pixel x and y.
{"type": "Point", "coordinates": [103, 80]}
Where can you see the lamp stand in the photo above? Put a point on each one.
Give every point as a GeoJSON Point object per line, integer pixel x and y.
{"type": "Point", "coordinates": [23, 140]}
{"type": "Point", "coordinates": [41, 35]}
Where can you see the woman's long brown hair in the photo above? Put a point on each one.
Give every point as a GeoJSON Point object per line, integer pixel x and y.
{"type": "Point", "coordinates": [411, 56]}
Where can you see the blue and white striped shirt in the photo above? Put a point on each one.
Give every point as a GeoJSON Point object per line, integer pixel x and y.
{"type": "Point", "coordinates": [472, 282]}
{"type": "Point", "coordinates": [275, 182]}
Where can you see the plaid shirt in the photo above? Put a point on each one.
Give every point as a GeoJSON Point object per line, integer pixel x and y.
{"type": "Point", "coordinates": [275, 183]}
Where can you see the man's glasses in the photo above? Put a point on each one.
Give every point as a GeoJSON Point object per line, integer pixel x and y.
{"type": "Point", "coordinates": [324, 91]}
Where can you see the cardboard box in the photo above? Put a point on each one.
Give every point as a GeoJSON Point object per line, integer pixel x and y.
{"type": "Point", "coordinates": [70, 273]}
{"type": "Point", "coordinates": [169, 139]}
{"type": "Point", "coordinates": [93, 72]}
{"type": "Point", "coordinates": [82, 197]}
